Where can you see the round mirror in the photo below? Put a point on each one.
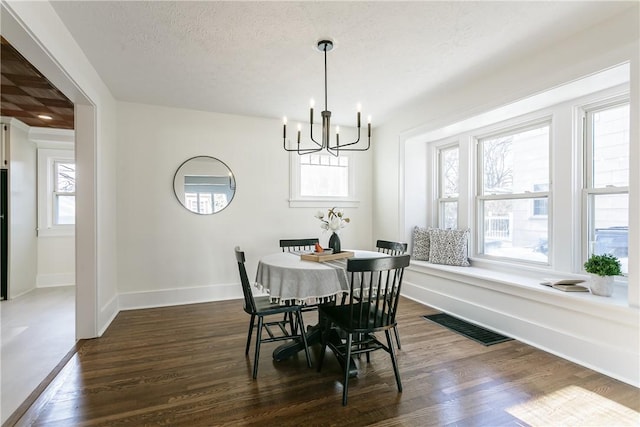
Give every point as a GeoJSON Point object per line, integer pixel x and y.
{"type": "Point", "coordinates": [204, 185]}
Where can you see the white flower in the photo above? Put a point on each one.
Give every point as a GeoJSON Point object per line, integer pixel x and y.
{"type": "Point", "coordinates": [335, 220]}
{"type": "Point", "coordinates": [335, 223]}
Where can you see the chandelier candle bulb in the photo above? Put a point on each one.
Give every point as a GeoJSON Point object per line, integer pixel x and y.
{"type": "Point", "coordinates": [311, 104]}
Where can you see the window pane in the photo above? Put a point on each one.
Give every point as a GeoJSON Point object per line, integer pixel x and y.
{"type": "Point", "coordinates": [449, 215]}
{"type": "Point", "coordinates": [65, 177]}
{"type": "Point", "coordinates": [610, 232]}
{"type": "Point", "coordinates": [512, 163]}
{"type": "Point", "coordinates": [324, 175]}
{"type": "Point", "coordinates": [510, 232]}
{"type": "Point", "coordinates": [64, 210]}
{"type": "Point", "coordinates": [449, 172]}
{"type": "Point", "coordinates": [199, 202]}
{"type": "Point", "coordinates": [540, 206]}
{"type": "Point", "coordinates": [610, 129]}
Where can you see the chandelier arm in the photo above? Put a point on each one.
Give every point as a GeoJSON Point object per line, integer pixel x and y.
{"type": "Point", "coordinates": [311, 136]}
{"type": "Point", "coordinates": [331, 150]}
{"type": "Point", "coordinates": [355, 149]}
{"type": "Point", "coordinates": [299, 150]}
{"type": "Point", "coordinates": [308, 151]}
{"type": "Point", "coordinates": [340, 146]}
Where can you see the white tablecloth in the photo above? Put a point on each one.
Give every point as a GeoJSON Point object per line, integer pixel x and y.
{"type": "Point", "coordinates": [289, 279]}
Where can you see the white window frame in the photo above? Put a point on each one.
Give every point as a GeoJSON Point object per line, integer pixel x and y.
{"type": "Point", "coordinates": [587, 172]}
{"type": "Point", "coordinates": [441, 199]}
{"type": "Point", "coordinates": [480, 198]}
{"type": "Point", "coordinates": [298, 200]}
{"type": "Point", "coordinates": [46, 186]}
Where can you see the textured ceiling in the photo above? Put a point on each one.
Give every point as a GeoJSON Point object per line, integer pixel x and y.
{"type": "Point", "coordinates": [26, 93]}
{"type": "Point", "coordinates": [259, 58]}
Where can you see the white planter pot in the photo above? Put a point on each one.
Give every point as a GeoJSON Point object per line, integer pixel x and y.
{"type": "Point", "coordinates": [601, 285]}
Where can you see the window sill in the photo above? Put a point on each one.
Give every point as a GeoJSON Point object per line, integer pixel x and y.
{"type": "Point", "coordinates": [527, 285]}
{"type": "Point", "coordinates": [57, 232]}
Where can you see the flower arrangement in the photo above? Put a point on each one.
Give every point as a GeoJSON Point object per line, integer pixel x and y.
{"type": "Point", "coordinates": [334, 221]}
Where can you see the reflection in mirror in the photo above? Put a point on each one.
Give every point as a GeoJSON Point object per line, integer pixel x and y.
{"type": "Point", "coordinates": [204, 185]}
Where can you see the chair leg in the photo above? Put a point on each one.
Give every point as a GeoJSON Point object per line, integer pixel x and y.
{"type": "Point", "coordinates": [292, 324]}
{"type": "Point", "coordinates": [303, 334]}
{"type": "Point", "coordinates": [325, 327]}
{"type": "Point", "coordinates": [394, 362]}
{"type": "Point", "coordinates": [345, 388]}
{"type": "Point", "coordinates": [395, 331]}
{"type": "Point", "coordinates": [253, 318]}
{"type": "Point", "coordinates": [258, 340]}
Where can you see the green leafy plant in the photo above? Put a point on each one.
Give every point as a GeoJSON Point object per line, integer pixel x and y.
{"type": "Point", "coordinates": [603, 265]}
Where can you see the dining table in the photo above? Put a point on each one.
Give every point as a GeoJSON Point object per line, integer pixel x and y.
{"type": "Point", "coordinates": [289, 279]}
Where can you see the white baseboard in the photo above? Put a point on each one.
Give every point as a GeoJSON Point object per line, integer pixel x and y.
{"type": "Point", "coordinates": [55, 279]}
{"type": "Point", "coordinates": [606, 346]}
{"type": "Point", "coordinates": [107, 313]}
{"type": "Point", "coordinates": [179, 296]}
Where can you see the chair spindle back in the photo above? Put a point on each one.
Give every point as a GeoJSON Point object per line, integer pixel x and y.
{"type": "Point", "coordinates": [375, 285]}
{"type": "Point", "coordinates": [249, 302]}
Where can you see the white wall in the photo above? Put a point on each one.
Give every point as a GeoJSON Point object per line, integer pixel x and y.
{"type": "Point", "coordinates": [609, 342]}
{"type": "Point", "coordinates": [22, 211]}
{"type": "Point", "coordinates": [168, 255]}
{"type": "Point", "coordinates": [56, 247]}
{"type": "Point", "coordinates": [56, 261]}
{"type": "Point", "coordinates": [37, 32]}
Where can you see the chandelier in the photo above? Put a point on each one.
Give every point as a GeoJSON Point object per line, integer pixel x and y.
{"type": "Point", "coordinates": [324, 144]}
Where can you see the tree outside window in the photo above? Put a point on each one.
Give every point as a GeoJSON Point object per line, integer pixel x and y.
{"type": "Point", "coordinates": [449, 165]}
{"type": "Point", "coordinates": [510, 165]}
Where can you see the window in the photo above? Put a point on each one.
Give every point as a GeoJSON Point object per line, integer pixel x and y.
{"type": "Point", "coordinates": [56, 192]}
{"type": "Point", "coordinates": [606, 188]}
{"type": "Point", "coordinates": [324, 175]}
{"type": "Point", "coordinates": [206, 194]}
{"type": "Point", "coordinates": [448, 172]}
{"type": "Point", "coordinates": [543, 182]}
{"type": "Point", "coordinates": [64, 192]}
{"type": "Point", "coordinates": [513, 176]}
{"type": "Point", "coordinates": [319, 178]}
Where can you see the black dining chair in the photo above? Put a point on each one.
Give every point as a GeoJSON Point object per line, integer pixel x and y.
{"type": "Point", "coordinates": [377, 281]}
{"type": "Point", "coordinates": [289, 245]}
{"type": "Point", "coordinates": [262, 307]}
{"type": "Point", "coordinates": [392, 248]}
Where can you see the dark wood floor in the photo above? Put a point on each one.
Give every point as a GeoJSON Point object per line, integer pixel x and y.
{"type": "Point", "coordinates": [185, 366]}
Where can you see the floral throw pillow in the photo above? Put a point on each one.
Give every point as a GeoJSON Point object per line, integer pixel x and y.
{"type": "Point", "coordinates": [448, 247]}
{"type": "Point", "coordinates": [420, 251]}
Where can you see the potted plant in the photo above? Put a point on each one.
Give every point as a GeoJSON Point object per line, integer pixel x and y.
{"type": "Point", "coordinates": [602, 269]}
